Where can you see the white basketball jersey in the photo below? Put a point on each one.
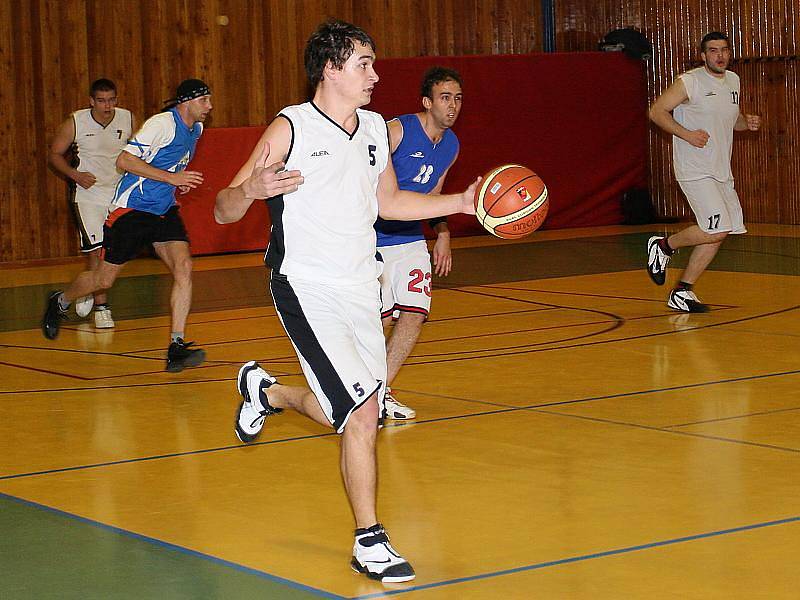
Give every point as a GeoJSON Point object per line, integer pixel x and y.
{"type": "Point", "coordinates": [713, 106]}
{"type": "Point", "coordinates": [98, 148]}
{"type": "Point", "coordinates": [324, 231]}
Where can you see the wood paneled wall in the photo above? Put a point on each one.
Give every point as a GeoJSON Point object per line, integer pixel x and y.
{"type": "Point", "coordinates": [765, 38]}
{"type": "Point", "coordinates": [50, 50]}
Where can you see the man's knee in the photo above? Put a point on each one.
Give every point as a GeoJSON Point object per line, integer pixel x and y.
{"type": "Point", "coordinates": [715, 238]}
{"type": "Point", "coordinates": [182, 269]}
{"type": "Point", "coordinates": [103, 278]}
{"type": "Point", "coordinates": [365, 418]}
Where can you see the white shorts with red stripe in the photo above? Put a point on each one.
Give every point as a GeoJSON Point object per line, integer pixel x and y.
{"type": "Point", "coordinates": [406, 279]}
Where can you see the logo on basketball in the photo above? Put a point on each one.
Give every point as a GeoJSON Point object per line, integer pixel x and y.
{"type": "Point", "coordinates": [511, 201]}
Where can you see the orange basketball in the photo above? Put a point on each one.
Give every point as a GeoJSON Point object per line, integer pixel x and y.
{"type": "Point", "coordinates": [511, 201]}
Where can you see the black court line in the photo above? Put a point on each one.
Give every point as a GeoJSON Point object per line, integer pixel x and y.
{"type": "Point", "coordinates": [588, 295]}
{"type": "Point", "coordinates": [520, 349]}
{"type": "Point", "coordinates": [458, 356]}
{"type": "Point", "coordinates": [504, 409]}
{"type": "Point", "coordinates": [668, 430]}
{"type": "Point", "coordinates": [164, 456]}
{"type": "Point", "coordinates": [581, 558]}
{"type": "Point", "coordinates": [535, 329]}
{"type": "Point", "coordinates": [761, 413]}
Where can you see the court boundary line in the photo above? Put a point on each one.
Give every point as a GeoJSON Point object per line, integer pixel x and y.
{"type": "Point", "coordinates": [170, 546]}
{"type": "Point", "coordinates": [448, 582]}
{"type": "Point", "coordinates": [583, 557]}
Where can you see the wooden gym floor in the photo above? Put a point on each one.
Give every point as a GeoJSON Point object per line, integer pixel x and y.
{"type": "Point", "coordinates": [575, 438]}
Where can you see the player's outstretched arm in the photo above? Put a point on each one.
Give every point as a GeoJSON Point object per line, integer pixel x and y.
{"type": "Point", "coordinates": [402, 205]}
{"type": "Point", "coordinates": [661, 114]}
{"type": "Point", "coordinates": [133, 164]}
{"type": "Point", "coordinates": [258, 177]}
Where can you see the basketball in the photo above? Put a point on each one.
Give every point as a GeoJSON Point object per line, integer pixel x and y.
{"type": "Point", "coordinates": [511, 201]}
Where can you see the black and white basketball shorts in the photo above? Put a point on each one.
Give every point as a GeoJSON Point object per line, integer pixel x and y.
{"type": "Point", "coordinates": [337, 334]}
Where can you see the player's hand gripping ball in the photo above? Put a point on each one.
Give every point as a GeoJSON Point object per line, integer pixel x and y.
{"type": "Point", "coordinates": [511, 201]}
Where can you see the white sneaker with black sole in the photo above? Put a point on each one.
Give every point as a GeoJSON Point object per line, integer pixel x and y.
{"type": "Point", "coordinates": [395, 410]}
{"type": "Point", "coordinates": [657, 261]}
{"type": "Point", "coordinates": [374, 556]}
{"type": "Point", "coordinates": [255, 408]}
{"type": "Point", "coordinates": [686, 301]}
{"type": "Point", "coordinates": [103, 319]}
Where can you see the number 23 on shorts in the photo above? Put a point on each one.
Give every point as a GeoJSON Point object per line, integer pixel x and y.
{"type": "Point", "coordinates": [420, 282]}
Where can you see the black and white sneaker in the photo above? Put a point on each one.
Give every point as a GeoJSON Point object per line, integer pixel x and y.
{"type": "Point", "coordinates": [253, 382]}
{"type": "Point", "coordinates": [657, 261]}
{"type": "Point", "coordinates": [53, 315]}
{"type": "Point", "coordinates": [396, 410]}
{"type": "Point", "coordinates": [374, 556]}
{"type": "Point", "coordinates": [686, 301]}
{"type": "Point", "coordinates": [180, 356]}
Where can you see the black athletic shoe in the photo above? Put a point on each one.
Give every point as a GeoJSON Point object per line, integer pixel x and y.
{"type": "Point", "coordinates": [180, 356]}
{"type": "Point", "coordinates": [686, 301]}
{"type": "Point", "coordinates": [657, 261]}
{"type": "Point", "coordinates": [374, 556]}
{"type": "Point", "coordinates": [53, 315]}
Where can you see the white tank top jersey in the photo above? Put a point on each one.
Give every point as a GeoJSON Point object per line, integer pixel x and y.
{"type": "Point", "coordinates": [324, 231]}
{"type": "Point", "coordinates": [713, 106]}
{"type": "Point", "coordinates": [98, 148]}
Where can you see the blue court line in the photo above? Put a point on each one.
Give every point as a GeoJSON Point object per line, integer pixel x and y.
{"type": "Point", "coordinates": [173, 547]}
{"type": "Point", "coordinates": [583, 557]}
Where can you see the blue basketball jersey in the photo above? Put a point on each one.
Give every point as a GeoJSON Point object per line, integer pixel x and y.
{"type": "Point", "coordinates": [418, 164]}
{"type": "Point", "coordinates": [165, 142]}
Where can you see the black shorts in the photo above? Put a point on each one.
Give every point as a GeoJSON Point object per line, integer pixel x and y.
{"type": "Point", "coordinates": [127, 231]}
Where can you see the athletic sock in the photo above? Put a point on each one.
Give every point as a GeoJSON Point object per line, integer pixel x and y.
{"type": "Point", "coordinates": [683, 286]}
{"type": "Point", "coordinates": [63, 303]}
{"type": "Point", "coordinates": [103, 306]}
{"type": "Point", "coordinates": [663, 243]}
{"type": "Point", "coordinates": [175, 336]}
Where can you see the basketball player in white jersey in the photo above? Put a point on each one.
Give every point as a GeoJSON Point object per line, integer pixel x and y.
{"type": "Point", "coordinates": [98, 134]}
{"type": "Point", "coordinates": [701, 111]}
{"type": "Point", "coordinates": [324, 278]}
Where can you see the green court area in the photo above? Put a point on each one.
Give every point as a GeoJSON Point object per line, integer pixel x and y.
{"type": "Point", "coordinates": [49, 554]}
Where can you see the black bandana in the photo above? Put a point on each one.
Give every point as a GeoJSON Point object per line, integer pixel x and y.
{"type": "Point", "coordinates": [191, 89]}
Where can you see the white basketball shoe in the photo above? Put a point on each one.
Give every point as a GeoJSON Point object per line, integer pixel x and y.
{"type": "Point", "coordinates": [374, 556]}
{"type": "Point", "coordinates": [83, 306]}
{"type": "Point", "coordinates": [686, 301]}
{"type": "Point", "coordinates": [395, 410]}
{"type": "Point", "coordinates": [102, 318]}
{"type": "Point", "coordinates": [255, 408]}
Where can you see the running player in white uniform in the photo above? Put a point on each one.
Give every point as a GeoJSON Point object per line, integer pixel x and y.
{"type": "Point", "coordinates": [701, 110]}
{"type": "Point", "coordinates": [145, 213]}
{"type": "Point", "coordinates": [423, 149]}
{"type": "Point", "coordinates": [98, 134]}
{"type": "Point", "coordinates": [324, 270]}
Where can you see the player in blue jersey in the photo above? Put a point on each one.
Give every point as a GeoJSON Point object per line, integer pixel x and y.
{"type": "Point", "coordinates": [423, 149]}
{"type": "Point", "coordinates": [144, 212]}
